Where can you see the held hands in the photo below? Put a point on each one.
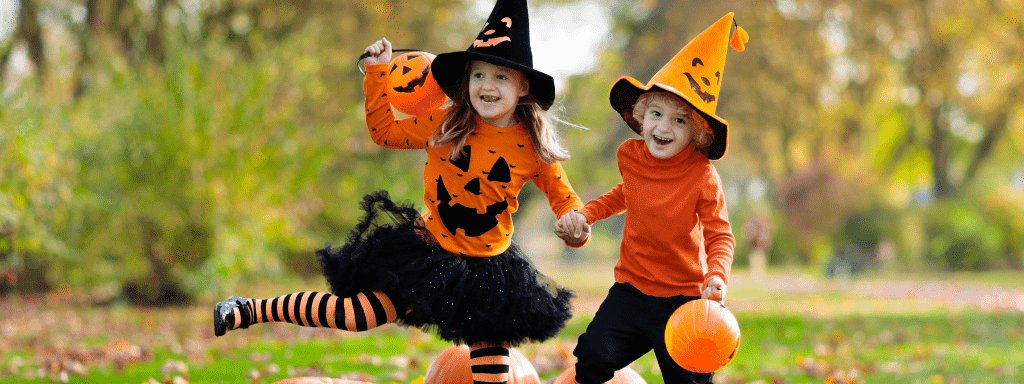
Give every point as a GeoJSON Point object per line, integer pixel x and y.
{"type": "Point", "coordinates": [715, 290]}
{"type": "Point", "coordinates": [380, 52]}
{"type": "Point", "coordinates": [573, 227]}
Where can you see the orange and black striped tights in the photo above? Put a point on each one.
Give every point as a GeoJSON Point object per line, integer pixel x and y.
{"type": "Point", "coordinates": [364, 311]}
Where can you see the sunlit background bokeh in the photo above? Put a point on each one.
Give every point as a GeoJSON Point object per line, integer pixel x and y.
{"type": "Point", "coordinates": [158, 152]}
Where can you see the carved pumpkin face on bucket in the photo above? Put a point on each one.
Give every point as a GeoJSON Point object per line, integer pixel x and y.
{"type": "Point", "coordinates": [411, 88]}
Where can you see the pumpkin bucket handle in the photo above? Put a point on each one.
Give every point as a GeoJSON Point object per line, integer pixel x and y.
{"type": "Point", "coordinates": [362, 57]}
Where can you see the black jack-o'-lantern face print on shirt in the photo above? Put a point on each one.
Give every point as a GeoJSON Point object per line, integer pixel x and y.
{"type": "Point", "coordinates": [474, 171]}
{"type": "Point", "coordinates": [698, 66]}
{"type": "Point", "coordinates": [493, 37]}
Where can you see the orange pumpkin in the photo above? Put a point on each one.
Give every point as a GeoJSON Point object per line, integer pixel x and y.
{"type": "Point", "coordinates": [318, 380]}
{"type": "Point", "coordinates": [451, 366]}
{"type": "Point", "coordinates": [411, 88]}
{"type": "Point", "coordinates": [702, 336]}
{"type": "Point", "coordinates": [623, 376]}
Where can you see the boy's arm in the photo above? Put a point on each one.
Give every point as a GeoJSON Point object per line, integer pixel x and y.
{"type": "Point", "coordinates": [408, 133]}
{"type": "Point", "coordinates": [611, 203]}
{"type": "Point", "coordinates": [718, 238]}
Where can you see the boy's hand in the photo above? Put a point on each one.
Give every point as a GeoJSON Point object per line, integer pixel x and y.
{"type": "Point", "coordinates": [715, 290]}
{"type": "Point", "coordinates": [380, 52]}
{"type": "Point", "coordinates": [573, 227]}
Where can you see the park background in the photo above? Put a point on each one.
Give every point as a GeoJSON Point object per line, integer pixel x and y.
{"type": "Point", "coordinates": [158, 155]}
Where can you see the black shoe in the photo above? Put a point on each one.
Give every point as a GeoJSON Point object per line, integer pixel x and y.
{"type": "Point", "coordinates": [225, 309]}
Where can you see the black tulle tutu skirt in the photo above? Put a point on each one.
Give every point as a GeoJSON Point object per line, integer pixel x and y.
{"type": "Point", "coordinates": [498, 299]}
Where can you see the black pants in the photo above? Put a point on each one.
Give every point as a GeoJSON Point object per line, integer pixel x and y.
{"type": "Point", "coordinates": [627, 326]}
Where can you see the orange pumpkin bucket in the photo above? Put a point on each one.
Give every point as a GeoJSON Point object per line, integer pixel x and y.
{"type": "Point", "coordinates": [702, 336]}
{"type": "Point", "coordinates": [411, 87]}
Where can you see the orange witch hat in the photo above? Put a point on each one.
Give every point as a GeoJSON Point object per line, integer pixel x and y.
{"type": "Point", "coordinates": [694, 74]}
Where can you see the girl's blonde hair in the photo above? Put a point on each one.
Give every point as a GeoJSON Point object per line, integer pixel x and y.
{"type": "Point", "coordinates": [700, 133]}
{"type": "Point", "coordinates": [461, 121]}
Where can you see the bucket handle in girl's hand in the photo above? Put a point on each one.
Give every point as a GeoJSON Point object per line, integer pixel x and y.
{"type": "Point", "coordinates": [367, 54]}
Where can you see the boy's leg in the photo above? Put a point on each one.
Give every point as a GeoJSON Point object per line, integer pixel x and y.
{"type": "Point", "coordinates": [673, 373]}
{"type": "Point", "coordinates": [670, 371]}
{"type": "Point", "coordinates": [614, 339]}
{"type": "Point", "coordinates": [364, 311]}
{"type": "Point", "coordinates": [489, 363]}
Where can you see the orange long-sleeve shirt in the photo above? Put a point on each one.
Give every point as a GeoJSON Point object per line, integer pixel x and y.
{"type": "Point", "coordinates": [470, 200]}
{"type": "Point", "coordinates": [671, 205]}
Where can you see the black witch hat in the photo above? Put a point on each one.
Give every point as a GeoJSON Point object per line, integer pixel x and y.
{"type": "Point", "coordinates": [505, 41]}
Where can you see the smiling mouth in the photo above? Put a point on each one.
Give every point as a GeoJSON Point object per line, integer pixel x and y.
{"type": "Point", "coordinates": [662, 140]}
{"type": "Point", "coordinates": [489, 99]}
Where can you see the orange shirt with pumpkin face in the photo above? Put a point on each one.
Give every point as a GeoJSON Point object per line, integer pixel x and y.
{"type": "Point", "coordinates": [470, 200]}
{"type": "Point", "coordinates": [675, 212]}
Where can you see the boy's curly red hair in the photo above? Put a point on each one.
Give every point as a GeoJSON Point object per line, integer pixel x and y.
{"type": "Point", "coordinates": [701, 133]}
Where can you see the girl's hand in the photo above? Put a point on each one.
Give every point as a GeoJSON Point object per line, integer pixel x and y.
{"type": "Point", "coordinates": [380, 52]}
{"type": "Point", "coordinates": [573, 227]}
{"type": "Point", "coordinates": [715, 290]}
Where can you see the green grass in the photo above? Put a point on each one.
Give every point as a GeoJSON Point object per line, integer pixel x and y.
{"type": "Point", "coordinates": [966, 348]}
{"type": "Point", "coordinates": [830, 333]}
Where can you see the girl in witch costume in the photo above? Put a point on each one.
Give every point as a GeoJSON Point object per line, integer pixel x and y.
{"type": "Point", "coordinates": [674, 205]}
{"type": "Point", "coordinates": [453, 270]}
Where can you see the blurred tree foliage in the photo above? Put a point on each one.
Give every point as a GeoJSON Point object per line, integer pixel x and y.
{"type": "Point", "coordinates": [159, 150]}
{"type": "Point", "coordinates": [188, 145]}
{"type": "Point", "coordinates": [848, 112]}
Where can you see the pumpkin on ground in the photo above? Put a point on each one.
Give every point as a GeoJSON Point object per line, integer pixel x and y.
{"type": "Point", "coordinates": [451, 366]}
{"type": "Point", "coordinates": [623, 376]}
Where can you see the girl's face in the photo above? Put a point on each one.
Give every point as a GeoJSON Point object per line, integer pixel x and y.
{"type": "Point", "coordinates": [494, 92]}
{"type": "Point", "coordinates": [666, 127]}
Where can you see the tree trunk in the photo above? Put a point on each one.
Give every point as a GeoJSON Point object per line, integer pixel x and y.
{"type": "Point", "coordinates": [939, 147]}
{"type": "Point", "coordinates": [155, 38]}
{"type": "Point", "coordinates": [985, 147]}
{"type": "Point", "coordinates": [28, 29]}
{"type": "Point", "coordinates": [5, 56]}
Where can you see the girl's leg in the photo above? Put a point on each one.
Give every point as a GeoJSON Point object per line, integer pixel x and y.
{"type": "Point", "coordinates": [489, 363]}
{"type": "Point", "coordinates": [364, 311]}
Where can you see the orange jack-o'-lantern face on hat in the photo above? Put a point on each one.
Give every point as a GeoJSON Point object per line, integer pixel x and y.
{"type": "Point", "coordinates": [704, 86]}
{"type": "Point", "coordinates": [492, 37]}
{"type": "Point", "coordinates": [456, 216]}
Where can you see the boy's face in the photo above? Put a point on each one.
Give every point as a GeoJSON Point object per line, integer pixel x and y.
{"type": "Point", "coordinates": [666, 127]}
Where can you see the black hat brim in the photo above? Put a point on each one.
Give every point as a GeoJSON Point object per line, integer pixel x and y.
{"type": "Point", "coordinates": [449, 68]}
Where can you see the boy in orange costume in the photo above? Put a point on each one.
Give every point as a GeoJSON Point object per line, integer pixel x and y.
{"type": "Point", "coordinates": [674, 205]}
